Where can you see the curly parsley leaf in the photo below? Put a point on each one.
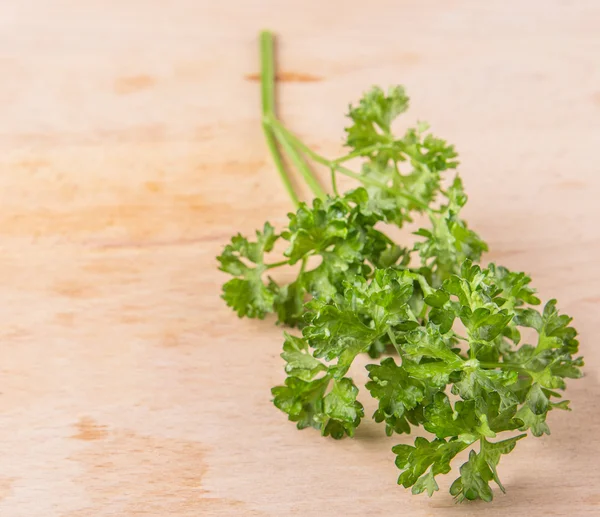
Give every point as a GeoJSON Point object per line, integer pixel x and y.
{"type": "Point", "coordinates": [373, 116]}
{"type": "Point", "coordinates": [247, 294]}
{"type": "Point", "coordinates": [302, 400]}
{"type": "Point", "coordinates": [415, 460]}
{"type": "Point", "coordinates": [480, 469]}
{"type": "Point", "coordinates": [299, 361]}
{"type": "Point", "coordinates": [335, 414]}
{"type": "Point", "coordinates": [461, 370]}
{"type": "Point", "coordinates": [449, 242]}
{"type": "Point", "coordinates": [397, 392]}
{"type": "Point", "coordinates": [342, 412]}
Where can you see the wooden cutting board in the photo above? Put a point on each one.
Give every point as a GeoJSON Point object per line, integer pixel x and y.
{"type": "Point", "coordinates": [131, 151]}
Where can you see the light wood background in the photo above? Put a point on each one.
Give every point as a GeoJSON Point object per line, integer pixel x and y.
{"type": "Point", "coordinates": [131, 151]}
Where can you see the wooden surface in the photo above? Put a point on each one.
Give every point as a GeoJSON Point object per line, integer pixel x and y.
{"type": "Point", "coordinates": [130, 151]}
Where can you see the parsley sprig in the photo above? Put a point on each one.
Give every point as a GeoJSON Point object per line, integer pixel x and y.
{"type": "Point", "coordinates": [445, 332]}
{"type": "Point", "coordinates": [400, 177]}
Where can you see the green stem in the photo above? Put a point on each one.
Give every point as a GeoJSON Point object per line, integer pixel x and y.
{"type": "Point", "coordinates": [267, 83]}
{"type": "Point", "coordinates": [303, 266]}
{"type": "Point", "coordinates": [425, 287]}
{"type": "Point", "coordinates": [394, 342]}
{"type": "Point", "coordinates": [293, 139]}
{"type": "Point", "coordinates": [507, 366]}
{"type": "Point", "coordinates": [370, 181]}
{"type": "Point", "coordinates": [298, 161]}
{"type": "Point", "coordinates": [277, 264]}
{"type": "Point", "coordinates": [267, 60]}
{"type": "Point", "coordinates": [363, 152]}
{"type": "Point", "coordinates": [334, 182]}
{"type": "Point", "coordinates": [392, 338]}
{"type": "Point", "coordinates": [277, 160]}
{"type": "Point", "coordinates": [459, 337]}
{"type": "Point", "coordinates": [333, 164]}
{"type": "Point", "coordinates": [472, 354]}
{"type": "Point", "coordinates": [363, 179]}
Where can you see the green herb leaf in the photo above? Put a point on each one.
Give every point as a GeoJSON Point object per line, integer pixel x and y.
{"type": "Point", "coordinates": [460, 371]}
{"type": "Point", "coordinates": [247, 294]}
{"type": "Point", "coordinates": [397, 393]}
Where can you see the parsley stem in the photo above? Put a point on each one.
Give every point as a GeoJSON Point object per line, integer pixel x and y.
{"type": "Point", "coordinates": [303, 266]}
{"type": "Point", "coordinates": [363, 179]}
{"type": "Point", "coordinates": [459, 337]}
{"type": "Point", "coordinates": [333, 164]}
{"type": "Point", "coordinates": [276, 264]}
{"type": "Point", "coordinates": [301, 145]}
{"type": "Point", "coordinates": [507, 366]}
{"type": "Point", "coordinates": [363, 152]}
{"type": "Point", "coordinates": [427, 290]}
{"type": "Point", "coordinates": [298, 162]}
{"type": "Point", "coordinates": [276, 156]}
{"type": "Point", "coordinates": [285, 263]}
{"type": "Point", "coordinates": [394, 342]}
{"type": "Point", "coordinates": [334, 182]}
{"type": "Point", "coordinates": [267, 83]}
{"type": "Point", "coordinates": [370, 181]}
{"type": "Point", "coordinates": [392, 338]}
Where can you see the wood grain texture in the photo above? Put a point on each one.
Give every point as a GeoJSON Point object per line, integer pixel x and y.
{"type": "Point", "coordinates": [131, 150]}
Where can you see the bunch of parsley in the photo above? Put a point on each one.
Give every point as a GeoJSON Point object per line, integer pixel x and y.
{"type": "Point", "coordinates": [448, 330]}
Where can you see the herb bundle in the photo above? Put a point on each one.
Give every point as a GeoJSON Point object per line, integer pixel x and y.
{"type": "Point", "coordinates": [443, 331]}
